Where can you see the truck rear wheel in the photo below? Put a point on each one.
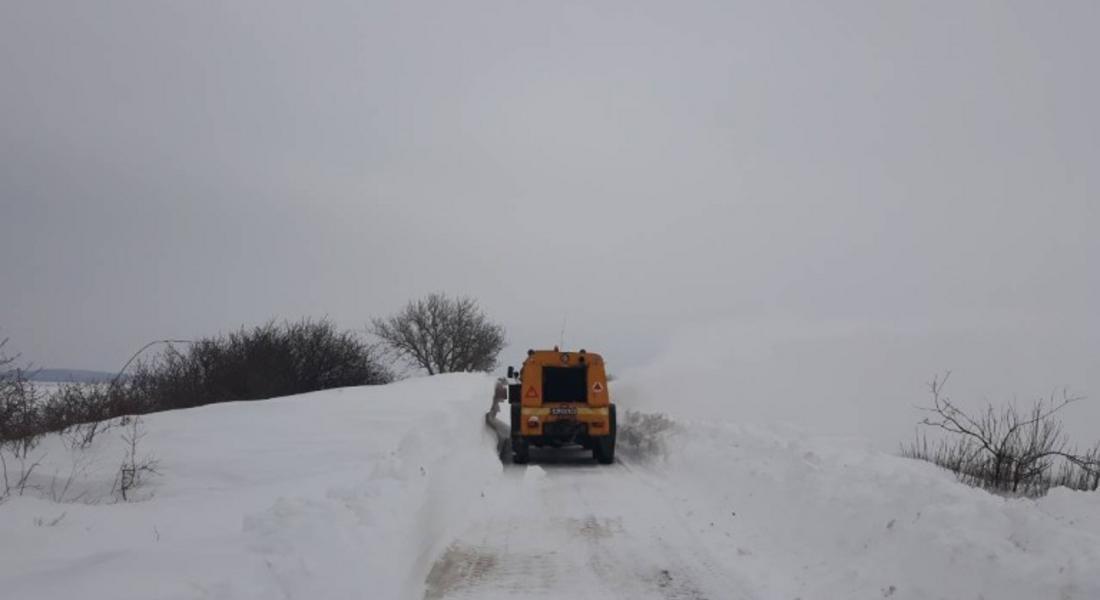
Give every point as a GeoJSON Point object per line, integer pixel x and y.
{"type": "Point", "coordinates": [603, 447]}
{"type": "Point", "coordinates": [520, 446]}
{"type": "Point", "coordinates": [604, 450]}
{"type": "Point", "coordinates": [521, 451]}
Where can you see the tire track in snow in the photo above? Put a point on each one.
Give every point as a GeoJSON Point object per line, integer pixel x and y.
{"type": "Point", "coordinates": [569, 528]}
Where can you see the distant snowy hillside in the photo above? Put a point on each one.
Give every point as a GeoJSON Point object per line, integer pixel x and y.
{"type": "Point", "coordinates": [69, 376]}
{"type": "Point", "coordinates": [397, 492]}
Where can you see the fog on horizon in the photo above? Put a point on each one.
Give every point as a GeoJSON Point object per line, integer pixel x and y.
{"type": "Point", "coordinates": [830, 202]}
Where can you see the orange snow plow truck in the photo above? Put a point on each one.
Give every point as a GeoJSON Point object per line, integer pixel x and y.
{"type": "Point", "coordinates": [561, 399]}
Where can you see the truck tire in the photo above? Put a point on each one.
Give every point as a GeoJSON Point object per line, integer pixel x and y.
{"type": "Point", "coordinates": [521, 450]}
{"type": "Point", "coordinates": [603, 447]}
{"type": "Point", "coordinates": [520, 446]}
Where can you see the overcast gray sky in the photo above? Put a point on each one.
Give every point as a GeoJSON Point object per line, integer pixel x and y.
{"type": "Point", "coordinates": [850, 169]}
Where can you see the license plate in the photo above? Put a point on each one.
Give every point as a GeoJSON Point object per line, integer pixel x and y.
{"type": "Point", "coordinates": [563, 412]}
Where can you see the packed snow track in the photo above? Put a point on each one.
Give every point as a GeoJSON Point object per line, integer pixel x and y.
{"type": "Point", "coordinates": [568, 528]}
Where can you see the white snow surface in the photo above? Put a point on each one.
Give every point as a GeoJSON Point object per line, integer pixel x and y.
{"type": "Point", "coordinates": [397, 492]}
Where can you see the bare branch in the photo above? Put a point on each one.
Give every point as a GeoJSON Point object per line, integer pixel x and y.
{"type": "Point", "coordinates": [1002, 450]}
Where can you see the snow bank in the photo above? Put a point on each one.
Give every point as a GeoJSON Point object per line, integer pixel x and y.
{"type": "Point", "coordinates": [338, 494]}
{"type": "Point", "coordinates": [799, 517]}
{"type": "Point", "coordinates": [778, 450]}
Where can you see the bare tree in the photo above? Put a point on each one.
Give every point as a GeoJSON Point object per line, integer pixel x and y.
{"type": "Point", "coordinates": [442, 335]}
{"type": "Point", "coordinates": [1004, 449]}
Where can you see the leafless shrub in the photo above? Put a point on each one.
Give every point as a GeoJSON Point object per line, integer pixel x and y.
{"type": "Point", "coordinates": [19, 419]}
{"type": "Point", "coordinates": [59, 488]}
{"type": "Point", "coordinates": [262, 362]}
{"type": "Point", "coordinates": [1076, 477]}
{"type": "Point", "coordinates": [135, 469]}
{"type": "Point", "coordinates": [644, 436]}
{"type": "Point", "coordinates": [1004, 450]}
{"type": "Point", "coordinates": [20, 427]}
{"type": "Point", "coordinates": [442, 335]}
{"type": "Point", "coordinates": [81, 411]}
{"type": "Point", "coordinates": [16, 479]}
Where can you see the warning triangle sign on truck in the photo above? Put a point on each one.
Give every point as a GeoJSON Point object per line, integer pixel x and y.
{"type": "Point", "coordinates": [531, 392]}
{"type": "Point", "coordinates": [597, 387]}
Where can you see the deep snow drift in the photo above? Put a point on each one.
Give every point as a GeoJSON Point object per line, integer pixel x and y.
{"type": "Point", "coordinates": [337, 494]}
{"type": "Point", "coordinates": [396, 492]}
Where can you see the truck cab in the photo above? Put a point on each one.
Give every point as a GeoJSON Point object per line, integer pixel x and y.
{"type": "Point", "coordinates": [558, 399]}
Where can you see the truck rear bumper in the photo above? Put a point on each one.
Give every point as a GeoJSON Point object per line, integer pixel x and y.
{"type": "Point", "coordinates": [563, 422]}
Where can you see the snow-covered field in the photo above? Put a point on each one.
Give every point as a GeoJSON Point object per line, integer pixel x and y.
{"type": "Point", "coordinates": [396, 492]}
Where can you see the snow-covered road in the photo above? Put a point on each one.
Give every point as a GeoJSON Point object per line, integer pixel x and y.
{"type": "Point", "coordinates": [570, 528]}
